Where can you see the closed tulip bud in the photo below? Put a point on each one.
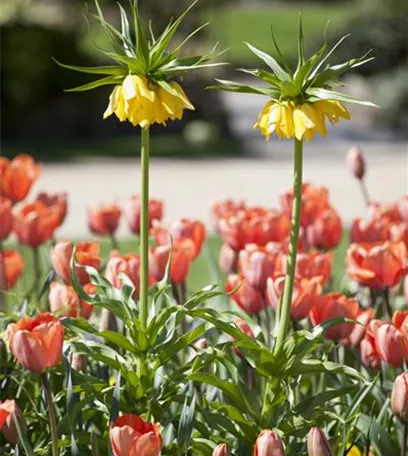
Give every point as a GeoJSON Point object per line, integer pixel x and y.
{"type": "Point", "coordinates": [8, 410]}
{"type": "Point", "coordinates": [11, 267]}
{"type": "Point", "coordinates": [36, 342]}
{"type": "Point", "coordinates": [221, 450]}
{"type": "Point", "coordinates": [317, 444]}
{"type": "Point", "coordinates": [228, 259]}
{"type": "Point", "coordinates": [189, 229]}
{"type": "Point", "coordinates": [268, 443]}
{"type": "Point", "coordinates": [104, 220]}
{"type": "Point", "coordinates": [391, 345]}
{"type": "Point", "coordinates": [130, 435]}
{"type": "Point", "coordinates": [371, 230]}
{"type": "Point", "coordinates": [225, 208]}
{"type": "Point", "coordinates": [356, 162]}
{"type": "Point", "coordinates": [79, 361]}
{"type": "Point", "coordinates": [6, 217]}
{"type": "Point", "coordinates": [399, 396]}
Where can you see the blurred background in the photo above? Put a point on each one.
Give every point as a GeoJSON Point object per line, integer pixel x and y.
{"type": "Point", "coordinates": [37, 117]}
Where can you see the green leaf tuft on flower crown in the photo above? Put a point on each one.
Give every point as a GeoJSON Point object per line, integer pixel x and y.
{"type": "Point", "coordinates": [143, 74]}
{"type": "Point", "coordinates": [300, 99]}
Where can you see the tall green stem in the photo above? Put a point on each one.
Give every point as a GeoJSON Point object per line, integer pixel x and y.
{"type": "Point", "coordinates": [294, 236]}
{"type": "Point", "coordinates": [51, 413]}
{"type": "Point", "coordinates": [144, 227]}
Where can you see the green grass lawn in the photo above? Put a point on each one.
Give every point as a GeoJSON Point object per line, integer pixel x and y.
{"type": "Point", "coordinates": [204, 270]}
{"type": "Point", "coordinates": [232, 25]}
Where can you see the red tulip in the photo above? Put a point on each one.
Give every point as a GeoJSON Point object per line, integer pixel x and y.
{"type": "Point", "coordinates": [17, 176]}
{"type": "Point", "coordinates": [314, 201]}
{"type": "Point", "coordinates": [390, 211]}
{"type": "Point", "coordinates": [128, 264]}
{"type": "Point", "coordinates": [64, 301]}
{"type": "Point", "coordinates": [372, 230]}
{"type": "Point", "coordinates": [274, 225]}
{"type": "Point", "coordinates": [391, 345]}
{"type": "Point", "coordinates": [86, 254]}
{"type": "Point", "coordinates": [8, 409]}
{"type": "Point", "coordinates": [399, 396]}
{"type": "Point", "coordinates": [377, 266]}
{"type": "Point", "coordinates": [356, 162]}
{"type": "Point", "coordinates": [334, 305]}
{"type": "Point", "coordinates": [131, 436]}
{"type": "Point", "coordinates": [11, 267]}
{"type": "Point", "coordinates": [36, 343]}
{"type": "Point", "coordinates": [35, 223]}
{"type": "Point", "coordinates": [57, 200]}
{"type": "Point", "coordinates": [247, 298]}
{"type": "Point", "coordinates": [132, 212]}
{"type": "Point", "coordinates": [221, 450]}
{"type": "Point", "coordinates": [268, 443]}
{"type": "Point", "coordinates": [315, 264]}
{"type": "Point", "coordinates": [369, 354]}
{"type": "Point", "coordinates": [228, 259]}
{"type": "Point", "coordinates": [104, 220]}
{"type": "Point", "coordinates": [317, 444]}
{"type": "Point", "coordinates": [357, 334]}
{"type": "Point", "coordinates": [225, 208]}
{"type": "Point", "coordinates": [189, 229]}
{"type": "Point", "coordinates": [6, 217]}
{"type": "Point", "coordinates": [303, 297]}
{"type": "Point", "coordinates": [326, 231]}
{"type": "Point", "coordinates": [259, 263]}
{"type": "Point", "coordinates": [182, 256]}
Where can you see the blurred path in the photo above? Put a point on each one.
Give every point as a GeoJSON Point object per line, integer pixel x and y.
{"type": "Point", "coordinates": [188, 187]}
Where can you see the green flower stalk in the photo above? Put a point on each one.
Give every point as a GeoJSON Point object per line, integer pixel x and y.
{"type": "Point", "coordinates": [300, 101]}
{"type": "Point", "coordinates": [145, 92]}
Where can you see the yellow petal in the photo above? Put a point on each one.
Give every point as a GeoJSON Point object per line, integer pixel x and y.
{"type": "Point", "coordinates": [113, 101]}
{"type": "Point", "coordinates": [285, 127]}
{"type": "Point", "coordinates": [187, 103]}
{"type": "Point", "coordinates": [135, 85]}
{"type": "Point", "coordinates": [303, 119]}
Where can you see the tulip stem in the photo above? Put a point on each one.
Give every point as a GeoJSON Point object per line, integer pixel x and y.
{"type": "Point", "coordinates": [386, 303]}
{"type": "Point", "coordinates": [3, 281]}
{"type": "Point", "coordinates": [284, 311]}
{"type": "Point", "coordinates": [404, 446]}
{"type": "Point", "coordinates": [37, 269]}
{"type": "Point", "coordinates": [364, 191]}
{"type": "Point", "coordinates": [51, 413]}
{"type": "Point", "coordinates": [144, 227]}
{"type": "Point", "coordinates": [267, 322]}
{"type": "Point", "coordinates": [114, 241]}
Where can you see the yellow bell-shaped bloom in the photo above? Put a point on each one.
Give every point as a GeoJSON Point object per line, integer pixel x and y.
{"type": "Point", "coordinates": [299, 121]}
{"type": "Point", "coordinates": [143, 103]}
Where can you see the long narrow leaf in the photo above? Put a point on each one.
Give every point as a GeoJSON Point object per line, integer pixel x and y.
{"type": "Point", "coordinates": [271, 62]}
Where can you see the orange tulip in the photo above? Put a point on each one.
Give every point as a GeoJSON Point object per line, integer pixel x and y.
{"type": "Point", "coordinates": [356, 162]}
{"type": "Point", "coordinates": [6, 217]}
{"type": "Point", "coordinates": [334, 305]}
{"type": "Point", "coordinates": [17, 176]}
{"type": "Point", "coordinates": [58, 200]}
{"type": "Point", "coordinates": [104, 220]}
{"type": "Point", "coordinates": [357, 334]}
{"type": "Point", "coordinates": [128, 264]}
{"type": "Point", "coordinates": [309, 265]}
{"type": "Point", "coordinates": [36, 343]}
{"type": "Point", "coordinates": [378, 265]}
{"type": "Point", "coordinates": [369, 354]}
{"type": "Point", "coordinates": [132, 212]}
{"type": "Point", "coordinates": [399, 233]}
{"type": "Point", "coordinates": [225, 208]}
{"type": "Point", "coordinates": [8, 409]}
{"type": "Point", "coordinates": [326, 231]}
{"type": "Point", "coordinates": [247, 298]}
{"type": "Point", "coordinates": [189, 229]}
{"type": "Point", "coordinates": [11, 267]}
{"type": "Point", "coordinates": [317, 444]}
{"type": "Point", "coordinates": [391, 340]}
{"type": "Point", "coordinates": [303, 297]}
{"type": "Point", "coordinates": [64, 301]}
{"type": "Point", "coordinates": [131, 436]}
{"type": "Point", "coordinates": [372, 230]}
{"type": "Point", "coordinates": [399, 396]}
{"type": "Point", "coordinates": [221, 450]}
{"type": "Point", "coordinates": [259, 263]}
{"type": "Point", "coordinates": [35, 223]}
{"type": "Point", "coordinates": [182, 256]}
{"type": "Point", "coordinates": [86, 254]}
{"type": "Point", "coordinates": [268, 443]}
{"type": "Point", "coordinates": [314, 201]}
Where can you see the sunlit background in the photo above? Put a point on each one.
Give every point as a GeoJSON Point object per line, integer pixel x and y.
{"type": "Point", "coordinates": [64, 129]}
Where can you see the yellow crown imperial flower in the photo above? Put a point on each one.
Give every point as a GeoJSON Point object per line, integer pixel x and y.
{"type": "Point", "coordinates": [300, 100]}
{"type": "Point", "coordinates": [143, 71]}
